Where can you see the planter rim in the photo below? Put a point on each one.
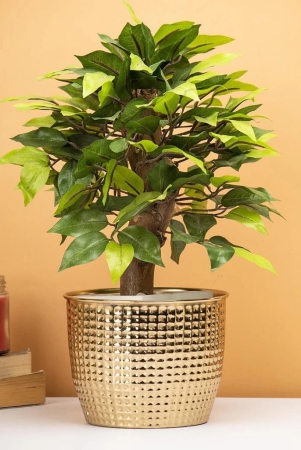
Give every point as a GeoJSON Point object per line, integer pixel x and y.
{"type": "Point", "coordinates": [163, 294]}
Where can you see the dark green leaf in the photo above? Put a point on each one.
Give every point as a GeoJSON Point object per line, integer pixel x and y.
{"type": "Point", "coordinates": [218, 254]}
{"type": "Point", "coordinates": [42, 137]}
{"type": "Point", "coordinates": [130, 112]}
{"type": "Point", "coordinates": [162, 175]}
{"type": "Point", "coordinates": [198, 225]}
{"type": "Point", "coordinates": [177, 247]}
{"type": "Point", "coordinates": [146, 245]}
{"type": "Point", "coordinates": [84, 249]}
{"type": "Point", "coordinates": [147, 125]}
{"type": "Point", "coordinates": [80, 222]}
{"type": "Point", "coordinates": [179, 233]}
{"type": "Point", "coordinates": [243, 196]}
{"type": "Point", "coordinates": [102, 61]}
{"type": "Point", "coordinates": [138, 39]}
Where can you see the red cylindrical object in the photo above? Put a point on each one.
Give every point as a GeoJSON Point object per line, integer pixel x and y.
{"type": "Point", "coordinates": [4, 318]}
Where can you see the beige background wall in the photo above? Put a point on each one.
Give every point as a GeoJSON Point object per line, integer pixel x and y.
{"type": "Point", "coordinates": [264, 311]}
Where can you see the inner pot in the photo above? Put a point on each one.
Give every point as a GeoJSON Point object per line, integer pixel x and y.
{"type": "Point", "coordinates": [146, 361]}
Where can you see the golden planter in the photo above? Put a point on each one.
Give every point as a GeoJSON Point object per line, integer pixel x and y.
{"type": "Point", "coordinates": [146, 361]}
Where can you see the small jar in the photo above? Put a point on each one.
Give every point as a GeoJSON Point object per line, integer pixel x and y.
{"type": "Point", "coordinates": [4, 318]}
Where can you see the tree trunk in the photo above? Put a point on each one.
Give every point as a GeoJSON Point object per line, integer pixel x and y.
{"type": "Point", "coordinates": [139, 276]}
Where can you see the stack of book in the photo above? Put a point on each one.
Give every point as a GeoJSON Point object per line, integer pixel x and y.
{"type": "Point", "coordinates": [19, 386]}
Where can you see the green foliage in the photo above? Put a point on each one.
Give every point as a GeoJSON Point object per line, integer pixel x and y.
{"type": "Point", "coordinates": [112, 148]}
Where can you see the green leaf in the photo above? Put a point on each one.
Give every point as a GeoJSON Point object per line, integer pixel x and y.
{"type": "Point", "coordinates": [25, 155]}
{"type": "Point", "coordinates": [193, 176]}
{"type": "Point", "coordinates": [93, 81]}
{"type": "Point", "coordinates": [84, 249]}
{"type": "Point", "coordinates": [211, 119]}
{"type": "Point", "coordinates": [186, 90]}
{"type": "Point", "coordinates": [245, 128]}
{"type": "Point", "coordinates": [198, 225]}
{"type": "Point", "coordinates": [102, 61]}
{"type": "Point", "coordinates": [242, 196]}
{"type": "Point", "coordinates": [256, 259]}
{"type": "Point", "coordinates": [192, 158]}
{"type": "Point", "coordinates": [119, 145]}
{"type": "Point", "coordinates": [167, 103]}
{"type": "Point", "coordinates": [110, 166]}
{"type": "Point", "coordinates": [167, 30]}
{"type": "Point", "coordinates": [33, 179]}
{"type": "Point", "coordinates": [162, 175]}
{"type": "Point", "coordinates": [234, 102]}
{"type": "Point", "coordinates": [132, 12]}
{"type": "Point", "coordinates": [128, 180]}
{"type": "Point", "coordinates": [177, 247]}
{"type": "Point", "coordinates": [137, 205]}
{"type": "Point", "coordinates": [119, 257]}
{"type": "Point", "coordinates": [218, 254]}
{"type": "Point", "coordinates": [138, 64]}
{"type": "Point", "coordinates": [145, 145]}
{"type": "Point", "coordinates": [66, 178]}
{"type": "Point", "coordinates": [138, 40]}
{"type": "Point", "coordinates": [43, 137]}
{"type": "Point", "coordinates": [216, 60]}
{"type": "Point", "coordinates": [70, 197]}
{"type": "Point", "coordinates": [80, 222]}
{"type": "Point", "coordinates": [131, 112]}
{"type": "Point", "coordinates": [106, 94]}
{"type": "Point", "coordinates": [178, 233]}
{"type": "Point", "coordinates": [247, 217]}
{"type": "Point", "coordinates": [147, 125]}
{"type": "Point", "coordinates": [219, 181]}
{"type": "Point", "coordinates": [146, 245]}
{"type": "Point", "coordinates": [204, 43]}
{"type": "Point", "coordinates": [38, 122]}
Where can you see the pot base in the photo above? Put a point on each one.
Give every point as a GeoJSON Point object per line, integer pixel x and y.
{"type": "Point", "coordinates": [146, 364]}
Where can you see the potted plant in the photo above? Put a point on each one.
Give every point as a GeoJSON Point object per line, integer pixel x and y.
{"type": "Point", "coordinates": [145, 143]}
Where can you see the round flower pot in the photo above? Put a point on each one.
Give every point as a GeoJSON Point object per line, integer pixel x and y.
{"type": "Point", "coordinates": [150, 361]}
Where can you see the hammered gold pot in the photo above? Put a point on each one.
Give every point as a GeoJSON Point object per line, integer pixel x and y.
{"type": "Point", "coordinates": [150, 361]}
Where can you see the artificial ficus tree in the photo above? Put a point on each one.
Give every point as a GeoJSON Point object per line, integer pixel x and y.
{"type": "Point", "coordinates": [135, 145]}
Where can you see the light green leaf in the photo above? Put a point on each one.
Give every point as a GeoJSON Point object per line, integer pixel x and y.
{"type": "Point", "coordinates": [192, 158]}
{"type": "Point", "coordinates": [210, 119]}
{"type": "Point", "coordinates": [247, 217]}
{"type": "Point", "coordinates": [93, 81]}
{"type": "Point", "coordinates": [263, 153]}
{"type": "Point", "coordinates": [118, 145]}
{"type": "Point", "coordinates": [204, 43]}
{"type": "Point", "coordinates": [146, 145]}
{"type": "Point", "coordinates": [245, 128]}
{"type": "Point", "coordinates": [80, 222]}
{"type": "Point", "coordinates": [216, 60]}
{"type": "Point", "coordinates": [167, 103]}
{"type": "Point", "coordinates": [119, 257]}
{"type": "Point", "coordinates": [256, 259]}
{"type": "Point", "coordinates": [146, 245]}
{"type": "Point", "coordinates": [70, 197]}
{"type": "Point", "coordinates": [33, 179]}
{"type": "Point", "coordinates": [25, 155]}
{"type": "Point", "coordinates": [38, 122]}
{"type": "Point", "coordinates": [219, 181]}
{"type": "Point", "coordinates": [132, 12]}
{"type": "Point", "coordinates": [138, 65]}
{"type": "Point", "coordinates": [186, 90]}
{"type": "Point", "coordinates": [106, 94]}
{"type": "Point", "coordinates": [128, 180]}
{"type": "Point", "coordinates": [84, 249]}
{"type": "Point", "coordinates": [234, 102]}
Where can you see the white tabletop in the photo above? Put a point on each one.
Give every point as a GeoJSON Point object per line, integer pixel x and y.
{"type": "Point", "coordinates": [235, 423]}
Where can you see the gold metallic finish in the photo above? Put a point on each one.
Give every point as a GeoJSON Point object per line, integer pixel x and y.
{"type": "Point", "coordinates": [146, 363]}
